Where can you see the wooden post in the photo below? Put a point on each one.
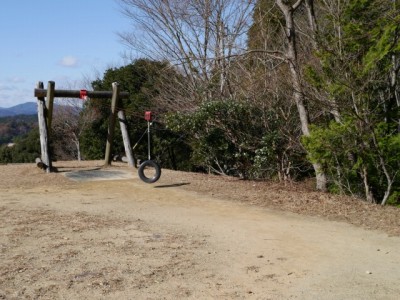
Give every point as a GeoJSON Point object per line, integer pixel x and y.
{"type": "Point", "coordinates": [44, 140]}
{"type": "Point", "coordinates": [49, 104]}
{"type": "Point", "coordinates": [125, 137]}
{"type": "Point", "coordinates": [111, 124]}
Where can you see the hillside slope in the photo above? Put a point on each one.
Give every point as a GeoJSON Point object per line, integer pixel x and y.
{"type": "Point", "coordinates": [15, 126]}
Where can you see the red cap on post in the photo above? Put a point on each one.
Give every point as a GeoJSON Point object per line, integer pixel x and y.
{"type": "Point", "coordinates": [147, 116]}
{"type": "Point", "coordinates": [83, 94]}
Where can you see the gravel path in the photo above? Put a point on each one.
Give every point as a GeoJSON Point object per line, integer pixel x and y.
{"type": "Point", "coordinates": [189, 236]}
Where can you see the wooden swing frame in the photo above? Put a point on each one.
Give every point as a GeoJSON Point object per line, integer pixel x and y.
{"type": "Point", "coordinates": [45, 100]}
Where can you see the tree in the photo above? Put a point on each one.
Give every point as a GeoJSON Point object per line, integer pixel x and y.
{"type": "Point", "coordinates": [14, 126]}
{"type": "Point", "coordinates": [274, 36]}
{"type": "Point", "coordinates": [237, 139]}
{"type": "Point", "coordinates": [25, 149]}
{"type": "Point", "coordinates": [70, 120]}
{"type": "Point", "coordinates": [359, 50]}
{"type": "Point", "coordinates": [142, 80]}
{"type": "Point", "coordinates": [138, 79]}
{"type": "Point", "coordinates": [199, 38]}
{"type": "Point", "coordinates": [288, 11]}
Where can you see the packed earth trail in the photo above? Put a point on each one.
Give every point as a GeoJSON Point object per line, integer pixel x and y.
{"type": "Point", "coordinates": [115, 237]}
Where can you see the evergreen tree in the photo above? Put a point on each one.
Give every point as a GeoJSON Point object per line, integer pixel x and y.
{"type": "Point", "coordinates": [142, 80]}
{"type": "Point", "coordinates": [360, 71]}
{"type": "Point", "coordinates": [26, 148]}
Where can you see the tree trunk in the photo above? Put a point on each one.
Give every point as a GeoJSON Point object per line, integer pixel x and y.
{"type": "Point", "coordinates": [78, 150]}
{"type": "Point", "coordinates": [368, 193]}
{"type": "Point", "coordinates": [298, 96]}
{"type": "Point", "coordinates": [312, 21]}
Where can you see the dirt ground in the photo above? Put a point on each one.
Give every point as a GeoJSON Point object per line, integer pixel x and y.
{"type": "Point", "coordinates": [188, 236]}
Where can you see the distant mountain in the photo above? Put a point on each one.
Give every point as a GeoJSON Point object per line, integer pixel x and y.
{"type": "Point", "coordinates": [27, 108]}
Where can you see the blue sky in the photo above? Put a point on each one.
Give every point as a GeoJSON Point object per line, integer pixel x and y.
{"type": "Point", "coordinates": [60, 40]}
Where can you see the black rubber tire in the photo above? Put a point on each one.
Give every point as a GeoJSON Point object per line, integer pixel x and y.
{"type": "Point", "coordinates": [149, 163]}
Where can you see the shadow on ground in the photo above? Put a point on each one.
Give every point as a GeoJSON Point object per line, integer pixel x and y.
{"type": "Point", "coordinates": [98, 174]}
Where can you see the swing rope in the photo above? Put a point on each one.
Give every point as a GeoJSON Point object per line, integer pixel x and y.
{"type": "Point", "coordinates": [148, 117]}
{"type": "Point", "coordinates": [148, 140]}
{"type": "Point", "coordinates": [137, 143]}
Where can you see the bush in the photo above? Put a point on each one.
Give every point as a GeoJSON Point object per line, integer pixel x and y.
{"type": "Point", "coordinates": [356, 157]}
{"type": "Point", "coordinates": [239, 139]}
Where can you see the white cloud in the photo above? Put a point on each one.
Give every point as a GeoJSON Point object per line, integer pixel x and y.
{"type": "Point", "coordinates": [69, 61]}
{"type": "Point", "coordinates": [4, 87]}
{"type": "Point", "coordinates": [15, 79]}
{"type": "Point", "coordinates": [12, 95]}
{"type": "Point", "coordinates": [11, 83]}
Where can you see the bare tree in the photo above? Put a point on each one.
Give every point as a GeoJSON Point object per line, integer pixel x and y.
{"type": "Point", "coordinates": [206, 38]}
{"type": "Point", "coordinates": [69, 121]}
{"type": "Point", "coordinates": [198, 37]}
{"type": "Point", "coordinates": [288, 10]}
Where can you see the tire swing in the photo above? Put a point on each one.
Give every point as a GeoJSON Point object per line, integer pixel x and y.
{"type": "Point", "coordinates": [149, 171]}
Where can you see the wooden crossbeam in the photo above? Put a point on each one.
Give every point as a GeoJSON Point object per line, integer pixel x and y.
{"type": "Point", "coordinates": [78, 94]}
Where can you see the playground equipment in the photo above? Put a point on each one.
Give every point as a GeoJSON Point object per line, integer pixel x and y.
{"type": "Point", "coordinates": [45, 112]}
{"type": "Point", "coordinates": [149, 171]}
